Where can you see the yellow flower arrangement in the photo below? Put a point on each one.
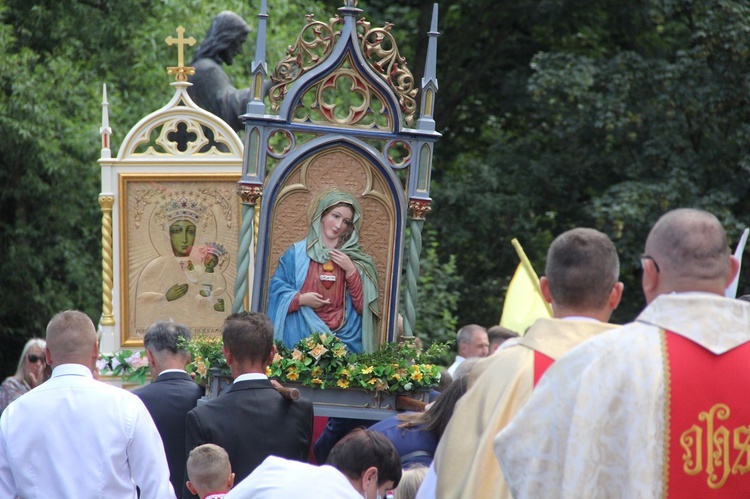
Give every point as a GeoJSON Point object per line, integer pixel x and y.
{"type": "Point", "coordinates": [322, 360]}
{"type": "Point", "coordinates": [319, 361]}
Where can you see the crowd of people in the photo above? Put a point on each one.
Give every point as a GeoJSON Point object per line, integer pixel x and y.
{"type": "Point", "coordinates": [572, 407]}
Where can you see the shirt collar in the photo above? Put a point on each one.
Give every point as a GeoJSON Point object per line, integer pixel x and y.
{"type": "Point", "coordinates": [580, 318]}
{"type": "Point", "coordinates": [72, 370]}
{"type": "Point", "coordinates": [250, 377]}
{"type": "Point", "coordinates": [172, 371]}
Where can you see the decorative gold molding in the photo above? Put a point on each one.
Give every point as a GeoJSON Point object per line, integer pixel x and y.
{"type": "Point", "coordinates": [418, 208]}
{"type": "Point", "coordinates": [316, 42]}
{"type": "Point", "coordinates": [249, 193]}
{"type": "Point", "coordinates": [381, 52]}
{"type": "Point", "coordinates": [107, 202]}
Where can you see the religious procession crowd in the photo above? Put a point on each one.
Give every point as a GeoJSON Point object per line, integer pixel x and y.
{"type": "Point", "coordinates": [573, 407]}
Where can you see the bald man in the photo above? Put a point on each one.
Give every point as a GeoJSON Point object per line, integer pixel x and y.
{"type": "Point", "coordinates": [74, 436]}
{"type": "Point", "coordinates": [658, 408]}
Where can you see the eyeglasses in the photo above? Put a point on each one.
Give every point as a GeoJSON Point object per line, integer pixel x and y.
{"type": "Point", "coordinates": [35, 358]}
{"type": "Point", "coordinates": [649, 257]}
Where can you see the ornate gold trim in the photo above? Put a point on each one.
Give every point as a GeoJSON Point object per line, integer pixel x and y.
{"type": "Point", "coordinates": [667, 416]}
{"type": "Point", "coordinates": [381, 52]}
{"type": "Point", "coordinates": [106, 202]}
{"type": "Point", "coordinates": [249, 193]}
{"type": "Point", "coordinates": [316, 42]}
{"type": "Point", "coordinates": [418, 208]}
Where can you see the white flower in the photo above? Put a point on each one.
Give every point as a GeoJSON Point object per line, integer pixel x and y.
{"type": "Point", "coordinates": [101, 364]}
{"type": "Point", "coordinates": [135, 361]}
{"type": "Point", "coordinates": [115, 362]}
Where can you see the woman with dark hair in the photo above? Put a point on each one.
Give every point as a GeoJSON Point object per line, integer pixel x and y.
{"type": "Point", "coordinates": [31, 372]}
{"type": "Point", "coordinates": [416, 434]}
{"type": "Point", "coordinates": [326, 283]}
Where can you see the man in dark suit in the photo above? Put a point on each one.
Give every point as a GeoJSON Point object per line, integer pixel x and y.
{"type": "Point", "coordinates": [171, 394]}
{"type": "Point", "coordinates": [251, 420]}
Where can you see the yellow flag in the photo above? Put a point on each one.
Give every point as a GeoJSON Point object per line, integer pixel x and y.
{"type": "Point", "coordinates": [524, 303]}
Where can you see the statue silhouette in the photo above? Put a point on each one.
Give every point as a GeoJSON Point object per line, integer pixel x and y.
{"type": "Point", "coordinates": [212, 90]}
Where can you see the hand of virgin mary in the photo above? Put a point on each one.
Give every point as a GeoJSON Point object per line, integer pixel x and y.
{"type": "Point", "coordinates": [312, 300]}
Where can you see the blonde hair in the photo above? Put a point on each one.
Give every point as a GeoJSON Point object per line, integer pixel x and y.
{"type": "Point", "coordinates": [208, 467]}
{"type": "Point", "coordinates": [33, 342]}
{"type": "Point", "coordinates": [411, 480]}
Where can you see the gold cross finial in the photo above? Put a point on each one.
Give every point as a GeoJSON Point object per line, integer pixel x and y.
{"type": "Point", "coordinates": [180, 70]}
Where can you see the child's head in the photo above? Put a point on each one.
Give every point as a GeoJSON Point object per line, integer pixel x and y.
{"type": "Point", "coordinates": [209, 470]}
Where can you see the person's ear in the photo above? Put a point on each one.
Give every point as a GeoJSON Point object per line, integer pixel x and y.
{"type": "Point", "coordinates": [230, 481]}
{"type": "Point", "coordinates": [191, 488]}
{"type": "Point", "coordinates": [150, 356]}
{"type": "Point", "coordinates": [227, 355]}
{"type": "Point", "coordinates": [544, 286]}
{"type": "Point", "coordinates": [650, 278]}
{"type": "Point", "coordinates": [616, 295]}
{"type": "Point", "coordinates": [371, 475]}
{"type": "Point", "coordinates": [47, 356]}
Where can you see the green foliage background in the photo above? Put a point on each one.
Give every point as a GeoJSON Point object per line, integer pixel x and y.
{"type": "Point", "coordinates": [554, 114]}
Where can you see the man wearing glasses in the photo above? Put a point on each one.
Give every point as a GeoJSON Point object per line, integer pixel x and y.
{"type": "Point", "coordinates": [658, 408]}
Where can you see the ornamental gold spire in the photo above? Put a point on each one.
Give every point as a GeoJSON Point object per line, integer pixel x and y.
{"type": "Point", "coordinates": [180, 70]}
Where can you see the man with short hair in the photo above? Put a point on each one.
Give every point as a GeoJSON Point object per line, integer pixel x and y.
{"type": "Point", "coordinates": [658, 409]}
{"type": "Point", "coordinates": [251, 420]}
{"type": "Point", "coordinates": [499, 335]}
{"type": "Point", "coordinates": [581, 283]}
{"type": "Point", "coordinates": [362, 464]}
{"type": "Point", "coordinates": [172, 393]}
{"type": "Point", "coordinates": [209, 472]}
{"type": "Point", "coordinates": [471, 341]}
{"type": "Point", "coordinates": [74, 436]}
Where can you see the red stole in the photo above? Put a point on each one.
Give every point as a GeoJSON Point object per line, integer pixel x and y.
{"type": "Point", "coordinates": [541, 364]}
{"type": "Point", "coordinates": [707, 452]}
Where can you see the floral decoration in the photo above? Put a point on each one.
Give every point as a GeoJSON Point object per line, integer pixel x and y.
{"type": "Point", "coordinates": [205, 353]}
{"type": "Point", "coordinates": [131, 366]}
{"type": "Point", "coordinates": [320, 361]}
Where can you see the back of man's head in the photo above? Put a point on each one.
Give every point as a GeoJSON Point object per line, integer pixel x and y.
{"type": "Point", "coordinates": [71, 339]}
{"type": "Point", "coordinates": [498, 335]}
{"type": "Point", "coordinates": [248, 336]}
{"type": "Point", "coordinates": [582, 267]}
{"type": "Point", "coordinates": [690, 251]}
{"type": "Point", "coordinates": [361, 449]}
{"type": "Point", "coordinates": [209, 470]}
{"type": "Point", "coordinates": [167, 339]}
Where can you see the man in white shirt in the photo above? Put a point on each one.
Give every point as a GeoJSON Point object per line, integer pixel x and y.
{"type": "Point", "coordinates": [362, 464]}
{"type": "Point", "coordinates": [471, 341]}
{"type": "Point", "coordinates": [74, 436]}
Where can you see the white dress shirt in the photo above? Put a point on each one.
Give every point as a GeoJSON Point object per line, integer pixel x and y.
{"type": "Point", "coordinates": [276, 478]}
{"type": "Point", "coordinates": [77, 437]}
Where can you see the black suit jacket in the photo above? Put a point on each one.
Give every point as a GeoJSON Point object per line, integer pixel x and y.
{"type": "Point", "coordinates": [251, 421]}
{"type": "Point", "coordinates": [168, 399]}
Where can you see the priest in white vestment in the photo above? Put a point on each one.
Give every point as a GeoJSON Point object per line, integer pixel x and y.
{"type": "Point", "coordinates": [581, 283]}
{"type": "Point", "coordinates": [601, 423]}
